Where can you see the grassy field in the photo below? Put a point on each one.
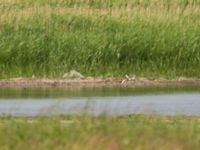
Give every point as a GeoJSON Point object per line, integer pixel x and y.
{"type": "Point", "coordinates": [151, 38]}
{"type": "Point", "coordinates": [108, 133]}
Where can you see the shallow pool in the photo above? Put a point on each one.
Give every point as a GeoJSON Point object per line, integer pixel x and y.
{"type": "Point", "coordinates": [101, 101]}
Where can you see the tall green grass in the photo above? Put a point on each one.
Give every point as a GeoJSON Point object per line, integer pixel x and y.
{"type": "Point", "coordinates": [100, 38]}
{"type": "Point", "coordinates": [110, 133]}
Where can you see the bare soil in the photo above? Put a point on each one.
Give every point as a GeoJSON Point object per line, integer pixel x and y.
{"type": "Point", "coordinates": [25, 82]}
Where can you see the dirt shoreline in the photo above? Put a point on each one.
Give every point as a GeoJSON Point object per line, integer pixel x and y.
{"type": "Point", "coordinates": [25, 82]}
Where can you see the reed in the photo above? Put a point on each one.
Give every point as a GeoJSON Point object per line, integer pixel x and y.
{"type": "Point", "coordinates": [111, 133]}
{"type": "Point", "coordinates": [150, 38]}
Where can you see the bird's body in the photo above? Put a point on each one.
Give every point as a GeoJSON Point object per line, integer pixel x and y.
{"type": "Point", "coordinates": [126, 78]}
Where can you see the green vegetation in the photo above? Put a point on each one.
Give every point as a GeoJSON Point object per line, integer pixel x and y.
{"type": "Point", "coordinates": [110, 133]}
{"type": "Point", "coordinates": [151, 38]}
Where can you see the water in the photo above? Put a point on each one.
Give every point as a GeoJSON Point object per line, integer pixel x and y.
{"type": "Point", "coordinates": [96, 101]}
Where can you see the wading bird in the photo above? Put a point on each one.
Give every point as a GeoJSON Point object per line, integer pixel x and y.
{"type": "Point", "coordinates": [126, 78]}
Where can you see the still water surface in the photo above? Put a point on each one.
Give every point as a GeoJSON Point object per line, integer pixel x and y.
{"type": "Point", "coordinates": [101, 100]}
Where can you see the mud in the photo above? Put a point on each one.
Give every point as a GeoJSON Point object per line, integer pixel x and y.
{"type": "Point", "coordinates": [25, 82]}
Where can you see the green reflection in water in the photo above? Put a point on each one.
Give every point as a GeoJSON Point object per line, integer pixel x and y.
{"type": "Point", "coordinates": [80, 91]}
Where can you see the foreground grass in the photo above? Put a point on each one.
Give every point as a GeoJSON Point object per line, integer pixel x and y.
{"type": "Point", "coordinates": [85, 133]}
{"type": "Point", "coordinates": [149, 38]}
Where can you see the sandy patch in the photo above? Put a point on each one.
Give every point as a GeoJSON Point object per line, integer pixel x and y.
{"type": "Point", "coordinates": [25, 82]}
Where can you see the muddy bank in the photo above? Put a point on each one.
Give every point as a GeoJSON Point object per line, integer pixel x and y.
{"type": "Point", "coordinates": [25, 82]}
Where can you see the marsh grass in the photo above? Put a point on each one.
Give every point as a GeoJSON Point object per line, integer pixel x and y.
{"type": "Point", "coordinates": [100, 38]}
{"type": "Point", "coordinates": [112, 133]}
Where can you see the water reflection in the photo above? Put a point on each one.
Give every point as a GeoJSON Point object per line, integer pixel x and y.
{"type": "Point", "coordinates": [165, 104]}
{"type": "Point", "coordinates": [102, 91]}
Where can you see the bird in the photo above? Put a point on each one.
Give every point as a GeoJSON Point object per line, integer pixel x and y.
{"type": "Point", "coordinates": [126, 78]}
